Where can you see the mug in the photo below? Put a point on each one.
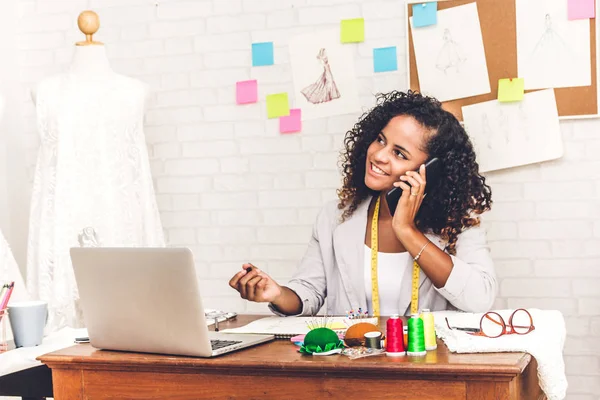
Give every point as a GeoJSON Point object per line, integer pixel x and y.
{"type": "Point", "coordinates": [27, 321]}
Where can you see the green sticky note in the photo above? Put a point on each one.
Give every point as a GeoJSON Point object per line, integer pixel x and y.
{"type": "Point", "coordinates": [511, 89]}
{"type": "Point", "coordinates": [352, 30]}
{"type": "Point", "coordinates": [278, 105]}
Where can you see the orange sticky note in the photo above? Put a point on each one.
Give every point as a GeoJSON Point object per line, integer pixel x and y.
{"type": "Point", "coordinates": [511, 89]}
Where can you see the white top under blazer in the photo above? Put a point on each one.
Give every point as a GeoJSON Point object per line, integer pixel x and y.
{"type": "Point", "coordinates": [390, 272]}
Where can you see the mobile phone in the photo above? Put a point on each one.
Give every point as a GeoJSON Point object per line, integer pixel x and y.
{"type": "Point", "coordinates": [433, 168]}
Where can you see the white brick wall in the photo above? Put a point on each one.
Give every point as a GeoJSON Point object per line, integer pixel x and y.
{"type": "Point", "coordinates": [234, 190]}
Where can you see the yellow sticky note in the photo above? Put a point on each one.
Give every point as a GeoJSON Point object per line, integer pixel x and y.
{"type": "Point", "coordinates": [278, 105]}
{"type": "Point", "coordinates": [352, 30]}
{"type": "Point", "coordinates": [511, 89]}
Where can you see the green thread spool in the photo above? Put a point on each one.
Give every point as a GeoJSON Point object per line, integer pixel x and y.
{"type": "Point", "coordinates": [416, 337]}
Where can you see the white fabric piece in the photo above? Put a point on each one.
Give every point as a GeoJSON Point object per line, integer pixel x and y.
{"type": "Point", "coordinates": [25, 357]}
{"type": "Point", "coordinates": [92, 171]}
{"type": "Point", "coordinates": [545, 343]}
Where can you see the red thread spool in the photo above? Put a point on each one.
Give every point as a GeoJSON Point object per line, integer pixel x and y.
{"type": "Point", "coordinates": [394, 343]}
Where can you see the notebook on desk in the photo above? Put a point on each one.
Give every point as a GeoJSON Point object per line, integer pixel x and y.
{"type": "Point", "coordinates": [147, 300]}
{"type": "Point", "coordinates": [288, 327]}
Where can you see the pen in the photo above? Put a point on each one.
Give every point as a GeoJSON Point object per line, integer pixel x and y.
{"type": "Point", "coordinates": [6, 298]}
{"type": "Point", "coordinates": [467, 329]}
{"type": "Point", "coordinates": [3, 291]}
{"type": "Point", "coordinates": [248, 269]}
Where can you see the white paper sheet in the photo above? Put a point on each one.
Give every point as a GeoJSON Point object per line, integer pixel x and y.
{"type": "Point", "coordinates": [291, 326]}
{"type": "Point", "coordinates": [324, 77]}
{"type": "Point", "coordinates": [25, 357]}
{"type": "Point", "coordinates": [510, 134]}
{"type": "Point", "coordinates": [551, 50]}
{"type": "Point", "coordinates": [449, 55]}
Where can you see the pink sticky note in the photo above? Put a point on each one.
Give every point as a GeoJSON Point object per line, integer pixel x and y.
{"type": "Point", "coordinates": [581, 9]}
{"type": "Point", "coordinates": [292, 122]}
{"type": "Point", "coordinates": [246, 92]}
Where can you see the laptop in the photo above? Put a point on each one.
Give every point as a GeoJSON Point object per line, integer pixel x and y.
{"type": "Point", "coordinates": [147, 300]}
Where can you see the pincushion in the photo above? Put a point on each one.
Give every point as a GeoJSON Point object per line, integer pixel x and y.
{"type": "Point", "coordinates": [321, 340]}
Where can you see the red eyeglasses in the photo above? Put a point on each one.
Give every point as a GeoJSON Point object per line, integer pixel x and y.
{"type": "Point", "coordinates": [492, 324]}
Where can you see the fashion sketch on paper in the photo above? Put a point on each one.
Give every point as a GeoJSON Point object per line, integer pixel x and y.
{"type": "Point", "coordinates": [551, 47]}
{"type": "Point", "coordinates": [450, 56]}
{"type": "Point", "coordinates": [324, 89]}
{"type": "Point", "coordinates": [496, 137]}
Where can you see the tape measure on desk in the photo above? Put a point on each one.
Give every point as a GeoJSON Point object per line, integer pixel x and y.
{"type": "Point", "coordinates": [414, 298]}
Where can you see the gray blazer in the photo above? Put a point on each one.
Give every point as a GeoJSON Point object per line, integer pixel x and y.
{"type": "Point", "coordinates": [333, 268]}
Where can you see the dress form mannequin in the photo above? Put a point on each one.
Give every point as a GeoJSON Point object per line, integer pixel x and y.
{"type": "Point", "coordinates": [92, 172]}
{"type": "Point", "coordinates": [9, 270]}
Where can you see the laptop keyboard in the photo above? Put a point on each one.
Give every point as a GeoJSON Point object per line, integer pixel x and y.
{"type": "Point", "coordinates": [219, 344]}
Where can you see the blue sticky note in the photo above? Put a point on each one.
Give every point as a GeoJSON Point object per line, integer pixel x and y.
{"type": "Point", "coordinates": [385, 59]}
{"type": "Point", "coordinates": [262, 54]}
{"type": "Point", "coordinates": [424, 14]}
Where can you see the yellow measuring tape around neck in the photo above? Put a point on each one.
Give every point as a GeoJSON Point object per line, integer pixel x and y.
{"type": "Point", "coordinates": [414, 298]}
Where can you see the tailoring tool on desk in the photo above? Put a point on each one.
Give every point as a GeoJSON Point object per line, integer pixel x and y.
{"type": "Point", "coordinates": [321, 340]}
{"type": "Point", "coordinates": [213, 317]}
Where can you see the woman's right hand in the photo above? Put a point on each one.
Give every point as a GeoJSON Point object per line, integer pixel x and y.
{"type": "Point", "coordinates": [255, 285]}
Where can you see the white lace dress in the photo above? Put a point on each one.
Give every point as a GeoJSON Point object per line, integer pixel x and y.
{"type": "Point", "coordinates": [92, 171]}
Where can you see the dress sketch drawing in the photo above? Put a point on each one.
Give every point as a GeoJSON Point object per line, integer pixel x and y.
{"type": "Point", "coordinates": [496, 137]}
{"type": "Point", "coordinates": [551, 47]}
{"type": "Point", "coordinates": [450, 55]}
{"type": "Point", "coordinates": [324, 89]}
{"type": "Point", "coordinates": [504, 129]}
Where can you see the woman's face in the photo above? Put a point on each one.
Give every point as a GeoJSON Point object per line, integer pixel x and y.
{"type": "Point", "coordinates": [396, 150]}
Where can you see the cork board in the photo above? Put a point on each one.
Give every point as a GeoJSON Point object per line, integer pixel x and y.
{"type": "Point", "coordinates": [498, 29]}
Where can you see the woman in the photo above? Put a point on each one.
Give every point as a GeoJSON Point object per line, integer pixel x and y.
{"type": "Point", "coordinates": [383, 150]}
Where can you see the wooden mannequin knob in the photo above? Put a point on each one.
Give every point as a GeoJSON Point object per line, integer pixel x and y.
{"type": "Point", "coordinates": [88, 23]}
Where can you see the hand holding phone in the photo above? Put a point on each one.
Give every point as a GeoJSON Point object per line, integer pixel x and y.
{"type": "Point", "coordinates": [433, 169]}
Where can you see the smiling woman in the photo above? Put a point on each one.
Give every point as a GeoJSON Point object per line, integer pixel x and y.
{"type": "Point", "coordinates": [360, 256]}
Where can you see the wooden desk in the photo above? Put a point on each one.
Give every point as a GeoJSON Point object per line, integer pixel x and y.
{"type": "Point", "coordinates": [277, 371]}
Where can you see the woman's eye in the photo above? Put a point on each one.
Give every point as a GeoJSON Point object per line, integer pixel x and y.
{"type": "Point", "coordinates": [381, 140]}
{"type": "Point", "coordinates": [398, 154]}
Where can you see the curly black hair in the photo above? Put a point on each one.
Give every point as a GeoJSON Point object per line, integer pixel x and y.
{"type": "Point", "coordinates": [453, 201]}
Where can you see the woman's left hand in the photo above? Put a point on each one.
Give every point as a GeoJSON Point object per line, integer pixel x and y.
{"type": "Point", "coordinates": [410, 201]}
